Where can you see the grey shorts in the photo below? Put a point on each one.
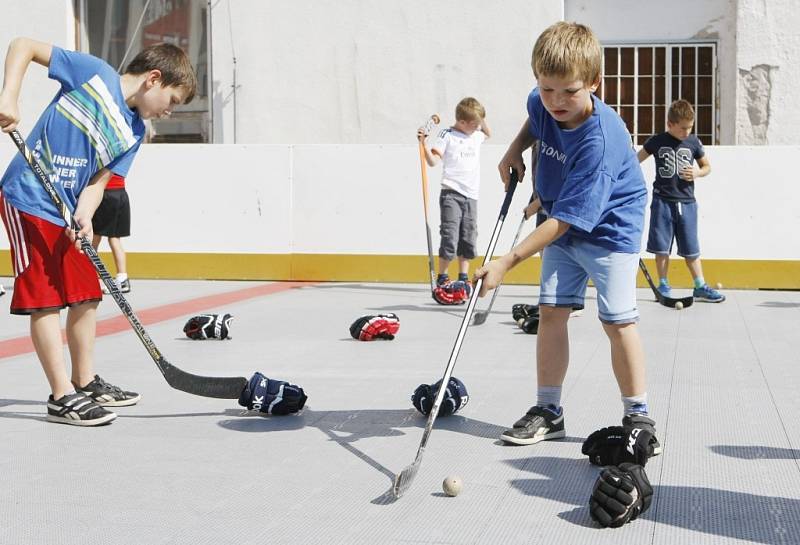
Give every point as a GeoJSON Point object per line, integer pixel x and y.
{"type": "Point", "coordinates": [459, 225]}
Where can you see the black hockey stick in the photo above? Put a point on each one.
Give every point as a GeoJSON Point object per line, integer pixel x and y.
{"type": "Point", "coordinates": [403, 481]}
{"type": "Point", "coordinates": [666, 301]}
{"type": "Point", "coordinates": [434, 120]}
{"type": "Point", "coordinates": [481, 315]}
{"type": "Point", "coordinates": [221, 387]}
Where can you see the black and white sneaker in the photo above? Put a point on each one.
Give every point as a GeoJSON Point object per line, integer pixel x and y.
{"type": "Point", "coordinates": [645, 423]}
{"type": "Point", "coordinates": [108, 395]}
{"type": "Point", "coordinates": [538, 424]}
{"type": "Point", "coordinates": [77, 409]}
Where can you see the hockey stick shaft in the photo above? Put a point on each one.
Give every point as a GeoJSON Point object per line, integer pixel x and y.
{"type": "Point", "coordinates": [480, 316]}
{"type": "Point", "coordinates": [404, 479]}
{"type": "Point", "coordinates": [423, 164]}
{"type": "Point", "coordinates": [193, 384]}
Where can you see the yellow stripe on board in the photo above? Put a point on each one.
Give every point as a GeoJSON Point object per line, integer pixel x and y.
{"type": "Point", "coordinates": [732, 273]}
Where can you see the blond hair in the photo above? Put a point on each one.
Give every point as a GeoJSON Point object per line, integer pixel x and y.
{"type": "Point", "coordinates": [680, 110]}
{"type": "Point", "coordinates": [469, 109]}
{"type": "Point", "coordinates": [173, 63]}
{"type": "Point", "coordinates": [567, 50]}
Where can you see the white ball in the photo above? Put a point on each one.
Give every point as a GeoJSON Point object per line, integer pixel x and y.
{"type": "Point", "coordinates": [678, 306]}
{"type": "Point", "coordinates": [719, 285]}
{"type": "Point", "coordinates": [452, 485]}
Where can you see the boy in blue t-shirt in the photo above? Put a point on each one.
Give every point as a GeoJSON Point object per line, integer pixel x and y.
{"type": "Point", "coordinates": [592, 189]}
{"type": "Point", "coordinates": [673, 213]}
{"type": "Point", "coordinates": [91, 130]}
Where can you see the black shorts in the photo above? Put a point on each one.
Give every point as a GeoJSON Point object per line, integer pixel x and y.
{"type": "Point", "coordinates": [113, 217]}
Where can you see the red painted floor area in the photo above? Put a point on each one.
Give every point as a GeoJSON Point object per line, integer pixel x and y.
{"type": "Point", "coordinates": [23, 345]}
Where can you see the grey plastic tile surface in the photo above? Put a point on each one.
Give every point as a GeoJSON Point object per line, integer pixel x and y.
{"type": "Point", "coordinates": [179, 469]}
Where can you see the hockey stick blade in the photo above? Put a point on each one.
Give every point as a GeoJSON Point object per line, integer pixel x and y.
{"type": "Point", "coordinates": [666, 301]}
{"type": "Point", "coordinates": [402, 482]}
{"type": "Point", "coordinates": [221, 387]}
{"type": "Point", "coordinates": [480, 317]}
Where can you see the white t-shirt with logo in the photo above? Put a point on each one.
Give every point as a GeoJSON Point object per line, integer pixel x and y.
{"type": "Point", "coordinates": [461, 160]}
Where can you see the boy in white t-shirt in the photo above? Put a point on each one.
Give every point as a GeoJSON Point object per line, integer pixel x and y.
{"type": "Point", "coordinates": [459, 149]}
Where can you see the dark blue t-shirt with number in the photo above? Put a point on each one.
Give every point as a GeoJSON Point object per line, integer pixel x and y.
{"type": "Point", "coordinates": [671, 156]}
{"type": "Point", "coordinates": [589, 177]}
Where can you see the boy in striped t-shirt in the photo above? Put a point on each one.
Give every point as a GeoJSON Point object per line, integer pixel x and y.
{"type": "Point", "coordinates": [90, 131]}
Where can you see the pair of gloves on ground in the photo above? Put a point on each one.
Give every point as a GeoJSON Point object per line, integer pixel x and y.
{"type": "Point", "coordinates": [622, 492]}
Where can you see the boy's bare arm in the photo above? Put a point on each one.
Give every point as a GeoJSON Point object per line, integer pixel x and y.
{"type": "Point", "coordinates": [485, 129]}
{"type": "Point", "coordinates": [692, 172]}
{"type": "Point", "coordinates": [21, 51]}
{"type": "Point", "coordinates": [513, 156]}
{"type": "Point", "coordinates": [642, 155]}
{"type": "Point", "coordinates": [546, 233]}
{"type": "Point", "coordinates": [88, 201]}
{"type": "Point", "coordinates": [430, 157]}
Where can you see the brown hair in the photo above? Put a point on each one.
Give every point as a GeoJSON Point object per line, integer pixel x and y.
{"type": "Point", "coordinates": [173, 63]}
{"type": "Point", "coordinates": [469, 109]}
{"type": "Point", "coordinates": [680, 110]}
{"type": "Point", "coordinates": [567, 50]}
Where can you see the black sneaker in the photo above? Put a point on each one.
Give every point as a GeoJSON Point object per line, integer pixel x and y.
{"type": "Point", "coordinates": [108, 395]}
{"type": "Point", "coordinates": [538, 424]}
{"type": "Point", "coordinates": [125, 286]}
{"type": "Point", "coordinates": [645, 423]}
{"type": "Point", "coordinates": [77, 409]}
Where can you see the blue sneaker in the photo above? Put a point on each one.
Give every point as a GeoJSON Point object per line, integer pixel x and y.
{"type": "Point", "coordinates": [708, 294]}
{"type": "Point", "coordinates": [665, 290]}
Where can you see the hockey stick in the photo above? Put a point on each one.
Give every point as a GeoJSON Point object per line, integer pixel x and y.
{"type": "Point", "coordinates": [403, 481]}
{"type": "Point", "coordinates": [221, 387]}
{"type": "Point", "coordinates": [434, 120]}
{"type": "Point", "coordinates": [481, 315]}
{"type": "Point", "coordinates": [666, 301]}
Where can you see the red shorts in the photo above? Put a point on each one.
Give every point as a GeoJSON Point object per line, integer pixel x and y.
{"type": "Point", "coordinates": [49, 273]}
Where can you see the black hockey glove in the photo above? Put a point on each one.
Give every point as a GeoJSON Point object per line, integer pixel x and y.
{"type": "Point", "coordinates": [270, 396]}
{"type": "Point", "coordinates": [620, 495]}
{"type": "Point", "coordinates": [520, 311]}
{"type": "Point", "coordinates": [455, 398]}
{"type": "Point", "coordinates": [615, 445]}
{"type": "Point", "coordinates": [209, 326]}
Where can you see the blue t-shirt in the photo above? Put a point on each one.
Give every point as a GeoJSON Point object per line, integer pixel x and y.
{"type": "Point", "coordinates": [671, 156]}
{"type": "Point", "coordinates": [589, 177]}
{"type": "Point", "coordinates": [85, 128]}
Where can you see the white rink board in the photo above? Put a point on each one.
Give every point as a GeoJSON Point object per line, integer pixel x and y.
{"type": "Point", "coordinates": [365, 199]}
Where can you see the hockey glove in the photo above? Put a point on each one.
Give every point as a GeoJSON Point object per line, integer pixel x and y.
{"type": "Point", "coordinates": [208, 326]}
{"type": "Point", "coordinates": [454, 293]}
{"type": "Point", "coordinates": [382, 326]}
{"type": "Point", "coordinates": [455, 397]}
{"type": "Point", "coordinates": [271, 396]}
{"type": "Point", "coordinates": [530, 325]}
{"type": "Point", "coordinates": [615, 445]}
{"type": "Point", "coordinates": [520, 311]}
{"type": "Point", "coordinates": [620, 495]}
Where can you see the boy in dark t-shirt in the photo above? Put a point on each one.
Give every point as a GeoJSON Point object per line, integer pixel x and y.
{"type": "Point", "coordinates": [673, 213]}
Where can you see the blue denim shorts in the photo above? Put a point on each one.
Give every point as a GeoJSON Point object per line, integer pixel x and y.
{"type": "Point", "coordinates": [673, 221]}
{"type": "Point", "coordinates": [567, 268]}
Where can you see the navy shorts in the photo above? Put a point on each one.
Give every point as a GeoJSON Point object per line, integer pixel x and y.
{"type": "Point", "coordinates": [673, 221]}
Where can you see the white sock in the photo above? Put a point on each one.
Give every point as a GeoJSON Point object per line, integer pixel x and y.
{"type": "Point", "coordinates": [121, 277]}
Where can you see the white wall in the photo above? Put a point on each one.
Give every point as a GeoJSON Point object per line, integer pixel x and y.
{"type": "Point", "coordinates": [366, 72]}
{"type": "Point", "coordinates": [365, 199]}
{"type": "Point", "coordinates": [768, 40]}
